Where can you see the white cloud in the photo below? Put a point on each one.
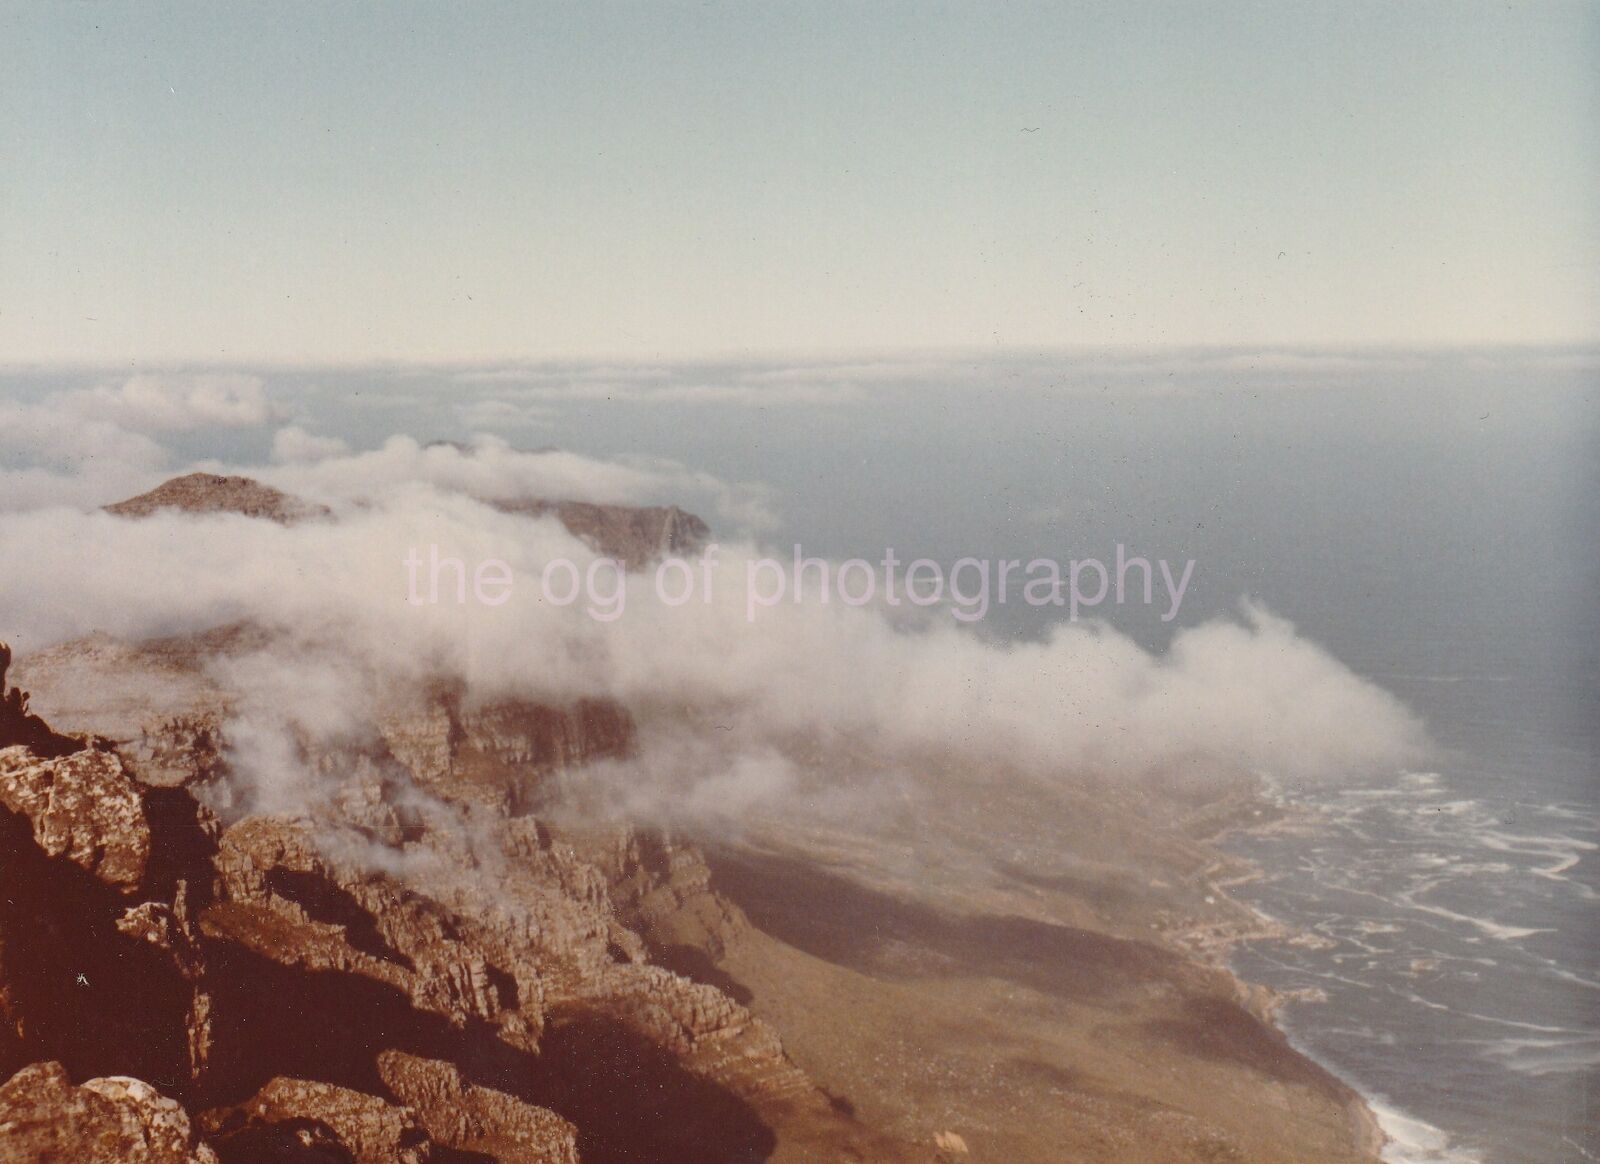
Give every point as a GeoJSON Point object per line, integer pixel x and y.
{"type": "Point", "coordinates": [50, 457]}
{"type": "Point", "coordinates": [172, 403]}
{"type": "Point", "coordinates": [867, 694]}
{"type": "Point", "coordinates": [554, 375]}
{"type": "Point", "coordinates": [293, 444]}
{"type": "Point", "coordinates": [806, 703]}
{"type": "Point", "coordinates": [492, 469]}
{"type": "Point", "coordinates": [91, 446]}
{"type": "Point", "coordinates": [694, 393]}
{"type": "Point", "coordinates": [494, 413]}
{"type": "Point", "coordinates": [874, 371]}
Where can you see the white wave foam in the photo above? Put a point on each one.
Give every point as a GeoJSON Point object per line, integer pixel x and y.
{"type": "Point", "coordinates": [1559, 1056]}
{"type": "Point", "coordinates": [1414, 1141]}
{"type": "Point", "coordinates": [1566, 975]}
{"type": "Point", "coordinates": [1493, 929]}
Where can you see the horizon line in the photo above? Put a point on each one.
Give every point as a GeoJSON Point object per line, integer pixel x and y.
{"type": "Point", "coordinates": [817, 356]}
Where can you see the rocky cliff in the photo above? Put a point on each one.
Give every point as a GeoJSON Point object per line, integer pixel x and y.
{"type": "Point", "coordinates": [343, 982]}
{"type": "Point", "coordinates": [426, 959]}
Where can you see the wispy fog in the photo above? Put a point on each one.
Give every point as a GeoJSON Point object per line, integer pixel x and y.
{"type": "Point", "coordinates": [799, 705]}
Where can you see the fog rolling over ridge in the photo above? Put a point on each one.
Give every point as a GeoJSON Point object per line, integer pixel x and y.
{"type": "Point", "coordinates": [1239, 695]}
{"type": "Point", "coordinates": [1383, 652]}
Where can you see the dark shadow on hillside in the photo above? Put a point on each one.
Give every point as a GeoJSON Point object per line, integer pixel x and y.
{"type": "Point", "coordinates": [182, 845]}
{"type": "Point", "coordinates": [76, 988]}
{"type": "Point", "coordinates": [1108, 893]}
{"type": "Point", "coordinates": [630, 1100]}
{"type": "Point", "coordinates": [832, 917]}
{"type": "Point", "coordinates": [288, 1141]}
{"type": "Point", "coordinates": [698, 966]}
{"type": "Point", "coordinates": [1224, 1032]}
{"type": "Point", "coordinates": [325, 902]}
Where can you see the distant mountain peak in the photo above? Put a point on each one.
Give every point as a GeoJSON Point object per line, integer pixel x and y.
{"type": "Point", "coordinates": [214, 493]}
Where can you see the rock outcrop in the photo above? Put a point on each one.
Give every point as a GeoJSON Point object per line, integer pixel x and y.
{"type": "Point", "coordinates": [81, 808]}
{"type": "Point", "coordinates": [408, 968]}
{"type": "Point", "coordinates": [477, 1119]}
{"type": "Point", "coordinates": [499, 755]}
{"type": "Point", "coordinates": [304, 1119]}
{"type": "Point", "coordinates": [114, 1120]}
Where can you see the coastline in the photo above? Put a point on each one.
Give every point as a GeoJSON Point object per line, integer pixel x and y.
{"type": "Point", "coordinates": [1375, 1122]}
{"type": "Point", "coordinates": [1391, 1134]}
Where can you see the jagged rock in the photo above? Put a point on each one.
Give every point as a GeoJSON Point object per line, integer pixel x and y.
{"type": "Point", "coordinates": [170, 929]}
{"type": "Point", "coordinates": [465, 964]}
{"type": "Point", "coordinates": [291, 977]}
{"type": "Point", "coordinates": [477, 1119]}
{"type": "Point", "coordinates": [499, 755]}
{"type": "Point", "coordinates": [83, 808]}
{"type": "Point", "coordinates": [283, 898]}
{"type": "Point", "coordinates": [302, 1119]}
{"type": "Point", "coordinates": [211, 493]}
{"type": "Point", "coordinates": [663, 891]}
{"type": "Point", "coordinates": [174, 750]}
{"type": "Point", "coordinates": [114, 1120]}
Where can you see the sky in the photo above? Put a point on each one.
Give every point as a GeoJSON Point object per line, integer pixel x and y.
{"type": "Point", "coordinates": [307, 183]}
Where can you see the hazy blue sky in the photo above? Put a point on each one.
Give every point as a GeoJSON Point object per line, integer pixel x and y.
{"type": "Point", "coordinates": [311, 182]}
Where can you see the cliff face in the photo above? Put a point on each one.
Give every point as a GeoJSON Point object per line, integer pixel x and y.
{"type": "Point", "coordinates": [420, 966]}
{"type": "Point", "coordinates": [360, 981]}
{"type": "Point", "coordinates": [499, 754]}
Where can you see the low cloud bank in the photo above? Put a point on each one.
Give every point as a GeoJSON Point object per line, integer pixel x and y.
{"type": "Point", "coordinates": [173, 403]}
{"type": "Point", "coordinates": [736, 714]}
